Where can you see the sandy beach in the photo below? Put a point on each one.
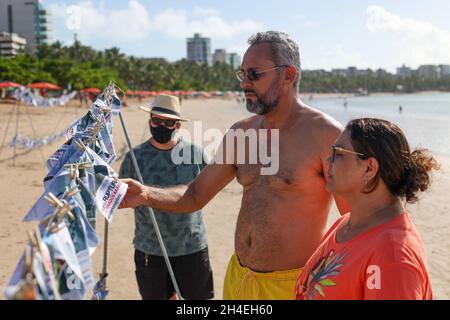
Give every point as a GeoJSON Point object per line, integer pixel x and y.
{"type": "Point", "coordinates": [21, 185]}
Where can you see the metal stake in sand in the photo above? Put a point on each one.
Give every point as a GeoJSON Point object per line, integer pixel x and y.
{"type": "Point", "coordinates": [150, 212]}
{"type": "Point", "coordinates": [16, 132]}
{"type": "Point", "coordinates": [11, 114]}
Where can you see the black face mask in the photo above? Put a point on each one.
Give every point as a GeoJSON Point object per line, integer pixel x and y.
{"type": "Point", "coordinates": [161, 134]}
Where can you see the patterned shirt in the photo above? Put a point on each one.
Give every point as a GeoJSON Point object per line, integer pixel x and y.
{"type": "Point", "coordinates": [386, 262]}
{"type": "Point", "coordinates": [182, 233]}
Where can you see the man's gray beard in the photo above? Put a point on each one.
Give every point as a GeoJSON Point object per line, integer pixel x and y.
{"type": "Point", "coordinates": [262, 107]}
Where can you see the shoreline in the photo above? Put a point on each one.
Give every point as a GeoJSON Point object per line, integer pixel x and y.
{"type": "Point", "coordinates": [387, 93]}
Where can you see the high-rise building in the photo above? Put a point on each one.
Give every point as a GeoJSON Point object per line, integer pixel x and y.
{"type": "Point", "coordinates": [220, 55]}
{"type": "Point", "coordinates": [11, 44]}
{"type": "Point", "coordinates": [26, 18]}
{"type": "Point", "coordinates": [428, 72]}
{"type": "Point", "coordinates": [234, 60]}
{"type": "Point", "coordinates": [199, 49]}
{"type": "Point", "coordinates": [339, 72]}
{"type": "Point", "coordinates": [404, 72]}
{"type": "Point", "coordinates": [444, 70]}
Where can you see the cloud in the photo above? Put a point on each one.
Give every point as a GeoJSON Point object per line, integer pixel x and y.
{"type": "Point", "coordinates": [95, 21]}
{"type": "Point", "coordinates": [418, 42]}
{"type": "Point", "coordinates": [207, 21]}
{"type": "Point", "coordinates": [333, 57]}
{"type": "Point", "coordinates": [304, 22]}
{"type": "Point", "coordinates": [202, 12]}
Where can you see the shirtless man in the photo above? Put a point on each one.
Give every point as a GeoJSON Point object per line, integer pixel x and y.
{"type": "Point", "coordinates": [283, 216]}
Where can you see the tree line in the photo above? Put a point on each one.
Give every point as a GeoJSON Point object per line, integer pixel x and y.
{"type": "Point", "coordinates": [78, 66]}
{"type": "Point", "coordinates": [324, 83]}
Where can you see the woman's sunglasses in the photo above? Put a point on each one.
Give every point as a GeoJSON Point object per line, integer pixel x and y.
{"type": "Point", "coordinates": [165, 122]}
{"type": "Point", "coordinates": [337, 149]}
{"type": "Point", "coordinates": [253, 75]}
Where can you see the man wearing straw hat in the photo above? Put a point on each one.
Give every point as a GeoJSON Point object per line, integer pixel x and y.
{"type": "Point", "coordinates": [184, 235]}
{"type": "Point", "coordinates": [283, 214]}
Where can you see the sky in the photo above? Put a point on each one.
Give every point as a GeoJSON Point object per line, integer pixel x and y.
{"type": "Point", "coordinates": [331, 33]}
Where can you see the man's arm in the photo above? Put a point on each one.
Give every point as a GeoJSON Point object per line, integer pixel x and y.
{"type": "Point", "coordinates": [187, 198]}
{"type": "Point", "coordinates": [332, 131]}
{"type": "Point", "coordinates": [180, 198]}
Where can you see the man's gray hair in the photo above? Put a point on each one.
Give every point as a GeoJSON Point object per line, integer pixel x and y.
{"type": "Point", "coordinates": [284, 50]}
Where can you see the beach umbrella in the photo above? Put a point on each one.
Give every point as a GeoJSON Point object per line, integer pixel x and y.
{"type": "Point", "coordinates": [44, 85]}
{"type": "Point", "coordinates": [91, 90]}
{"type": "Point", "coordinates": [9, 84]}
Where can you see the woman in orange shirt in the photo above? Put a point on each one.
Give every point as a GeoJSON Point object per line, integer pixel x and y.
{"type": "Point", "coordinates": [375, 251]}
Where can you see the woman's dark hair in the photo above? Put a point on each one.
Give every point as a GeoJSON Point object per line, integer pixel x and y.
{"type": "Point", "coordinates": [404, 172]}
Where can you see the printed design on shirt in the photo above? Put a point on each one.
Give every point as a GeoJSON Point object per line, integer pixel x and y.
{"type": "Point", "coordinates": [320, 275]}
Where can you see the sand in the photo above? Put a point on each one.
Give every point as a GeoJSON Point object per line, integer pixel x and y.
{"type": "Point", "coordinates": [21, 185]}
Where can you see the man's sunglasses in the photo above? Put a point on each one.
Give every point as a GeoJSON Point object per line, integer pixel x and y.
{"type": "Point", "coordinates": [166, 122]}
{"type": "Point", "coordinates": [337, 149]}
{"type": "Point", "coordinates": [253, 75]}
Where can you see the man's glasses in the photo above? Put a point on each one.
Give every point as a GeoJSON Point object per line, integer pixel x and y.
{"type": "Point", "coordinates": [166, 122]}
{"type": "Point", "coordinates": [337, 149]}
{"type": "Point", "coordinates": [253, 75]}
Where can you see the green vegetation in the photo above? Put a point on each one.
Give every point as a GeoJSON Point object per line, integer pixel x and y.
{"type": "Point", "coordinates": [383, 82]}
{"type": "Point", "coordinates": [80, 66]}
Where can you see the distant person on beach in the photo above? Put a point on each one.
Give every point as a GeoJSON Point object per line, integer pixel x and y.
{"type": "Point", "coordinates": [283, 215]}
{"type": "Point", "coordinates": [80, 96]}
{"type": "Point", "coordinates": [374, 251]}
{"type": "Point", "coordinates": [345, 103]}
{"type": "Point", "coordinates": [400, 109]}
{"type": "Point", "coordinates": [183, 235]}
{"type": "Point", "coordinates": [86, 98]}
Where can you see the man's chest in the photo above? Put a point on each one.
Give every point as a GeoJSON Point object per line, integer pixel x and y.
{"type": "Point", "coordinates": [288, 166]}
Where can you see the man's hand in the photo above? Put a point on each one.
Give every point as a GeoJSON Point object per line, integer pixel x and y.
{"type": "Point", "coordinates": [136, 194]}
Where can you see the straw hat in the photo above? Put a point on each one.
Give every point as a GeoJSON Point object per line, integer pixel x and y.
{"type": "Point", "coordinates": [166, 106]}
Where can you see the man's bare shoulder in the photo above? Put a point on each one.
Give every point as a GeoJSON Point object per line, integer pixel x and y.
{"type": "Point", "coordinates": [321, 122]}
{"type": "Point", "coordinates": [247, 123]}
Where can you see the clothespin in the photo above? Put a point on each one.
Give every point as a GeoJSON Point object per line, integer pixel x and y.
{"type": "Point", "coordinates": [104, 110]}
{"type": "Point", "coordinates": [94, 130]}
{"type": "Point", "coordinates": [29, 252]}
{"type": "Point", "coordinates": [80, 145]}
{"type": "Point", "coordinates": [72, 172]}
{"type": "Point", "coordinates": [69, 193]}
{"type": "Point", "coordinates": [32, 238]}
{"type": "Point", "coordinates": [28, 259]}
{"type": "Point", "coordinates": [36, 241]}
{"type": "Point", "coordinates": [75, 167]}
{"type": "Point", "coordinates": [62, 206]}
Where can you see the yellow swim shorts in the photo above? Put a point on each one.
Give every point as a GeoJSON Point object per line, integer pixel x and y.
{"type": "Point", "coordinates": [242, 283]}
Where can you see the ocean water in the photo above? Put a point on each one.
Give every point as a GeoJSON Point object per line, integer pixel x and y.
{"type": "Point", "coordinates": [425, 118]}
